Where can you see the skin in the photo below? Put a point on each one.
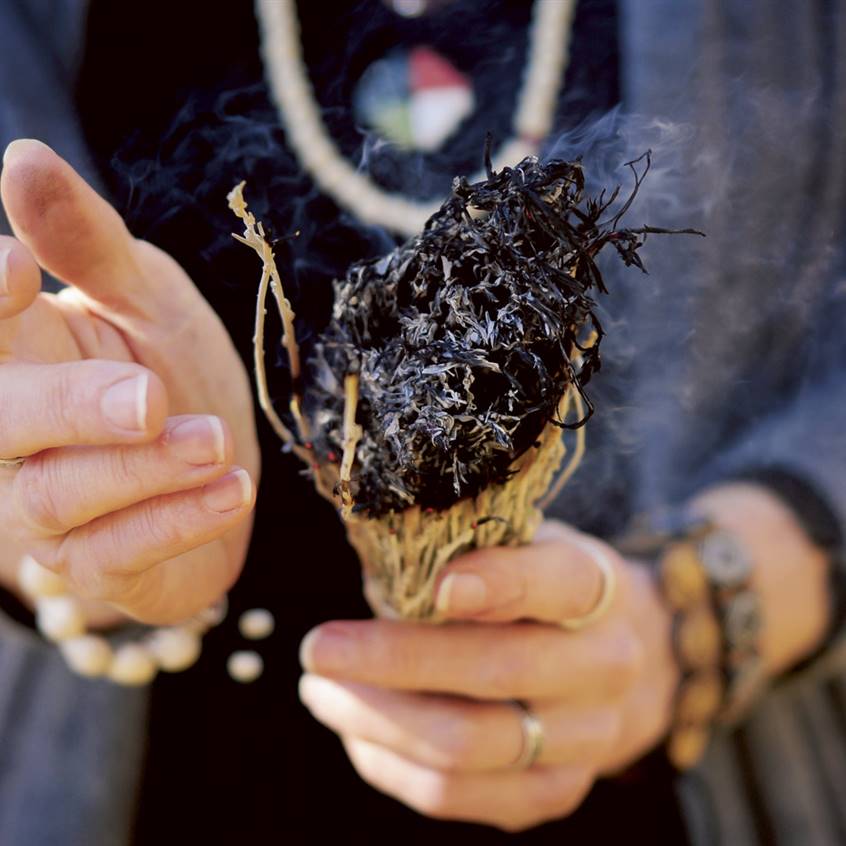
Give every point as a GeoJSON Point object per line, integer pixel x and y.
{"type": "Point", "coordinates": [425, 711]}
{"type": "Point", "coordinates": [133, 509]}
{"type": "Point", "coordinates": [132, 515]}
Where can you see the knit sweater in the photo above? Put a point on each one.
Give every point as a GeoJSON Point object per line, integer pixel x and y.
{"type": "Point", "coordinates": [730, 358]}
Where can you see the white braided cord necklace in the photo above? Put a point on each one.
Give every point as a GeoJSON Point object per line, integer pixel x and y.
{"type": "Point", "coordinates": [293, 95]}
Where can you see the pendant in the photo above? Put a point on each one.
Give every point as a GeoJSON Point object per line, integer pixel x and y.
{"type": "Point", "coordinates": [415, 99]}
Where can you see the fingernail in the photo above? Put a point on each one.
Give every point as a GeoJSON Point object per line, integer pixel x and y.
{"type": "Point", "coordinates": [125, 404]}
{"type": "Point", "coordinates": [462, 593]}
{"type": "Point", "coordinates": [327, 649]}
{"type": "Point", "coordinates": [198, 440]}
{"type": "Point", "coordinates": [233, 491]}
{"type": "Point", "coordinates": [15, 145]}
{"type": "Point", "coordinates": [5, 252]}
{"type": "Point", "coordinates": [307, 650]}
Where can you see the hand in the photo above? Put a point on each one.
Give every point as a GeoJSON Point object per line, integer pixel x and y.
{"type": "Point", "coordinates": [128, 399]}
{"type": "Point", "coordinates": [426, 712]}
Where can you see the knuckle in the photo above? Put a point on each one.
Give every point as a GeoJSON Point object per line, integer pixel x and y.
{"type": "Point", "coordinates": [35, 492]}
{"type": "Point", "coordinates": [130, 590]}
{"type": "Point", "coordinates": [157, 528]}
{"type": "Point", "coordinates": [496, 678]}
{"type": "Point", "coordinates": [626, 659]}
{"type": "Point", "coordinates": [454, 742]}
{"type": "Point", "coordinates": [64, 398]}
{"type": "Point", "coordinates": [433, 795]}
{"type": "Point", "coordinates": [124, 469]}
{"type": "Point", "coordinates": [397, 656]}
{"type": "Point", "coordinates": [513, 673]}
{"type": "Point", "coordinates": [78, 557]}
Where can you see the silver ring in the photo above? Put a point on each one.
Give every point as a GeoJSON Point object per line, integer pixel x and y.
{"type": "Point", "coordinates": [532, 731]}
{"type": "Point", "coordinates": [12, 462]}
{"type": "Point", "coordinates": [607, 590]}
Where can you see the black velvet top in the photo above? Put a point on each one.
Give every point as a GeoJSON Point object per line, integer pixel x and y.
{"type": "Point", "coordinates": [175, 109]}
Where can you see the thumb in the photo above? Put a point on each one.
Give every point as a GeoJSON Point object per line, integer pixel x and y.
{"type": "Point", "coordinates": [70, 229]}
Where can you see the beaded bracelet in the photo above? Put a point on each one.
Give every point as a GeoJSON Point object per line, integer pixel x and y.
{"type": "Point", "coordinates": [61, 619]}
{"type": "Point", "coordinates": [717, 624]}
{"type": "Point", "coordinates": [705, 578]}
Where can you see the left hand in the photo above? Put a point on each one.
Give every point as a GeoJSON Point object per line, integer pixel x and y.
{"type": "Point", "coordinates": [426, 712]}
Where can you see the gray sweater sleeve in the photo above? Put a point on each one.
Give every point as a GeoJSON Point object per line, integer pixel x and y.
{"type": "Point", "coordinates": [70, 749]}
{"type": "Point", "coordinates": [40, 46]}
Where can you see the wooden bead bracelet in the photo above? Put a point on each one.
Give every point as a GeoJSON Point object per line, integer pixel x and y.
{"type": "Point", "coordinates": [704, 575]}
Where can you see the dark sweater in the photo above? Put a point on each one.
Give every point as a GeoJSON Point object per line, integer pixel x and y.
{"type": "Point", "coordinates": [729, 357]}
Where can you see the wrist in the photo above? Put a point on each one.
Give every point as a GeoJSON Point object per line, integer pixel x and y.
{"type": "Point", "coordinates": [705, 574]}
{"type": "Point", "coordinates": [790, 573]}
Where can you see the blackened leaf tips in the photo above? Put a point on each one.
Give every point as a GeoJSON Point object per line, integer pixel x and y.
{"type": "Point", "coordinates": [464, 338]}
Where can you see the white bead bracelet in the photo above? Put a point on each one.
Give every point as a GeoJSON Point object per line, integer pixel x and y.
{"type": "Point", "coordinates": [60, 618]}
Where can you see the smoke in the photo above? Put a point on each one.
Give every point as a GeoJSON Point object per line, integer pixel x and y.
{"type": "Point", "coordinates": [746, 137]}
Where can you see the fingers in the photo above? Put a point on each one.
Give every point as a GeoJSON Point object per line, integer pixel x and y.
{"type": "Point", "coordinates": [20, 278]}
{"type": "Point", "coordinates": [60, 489]}
{"type": "Point", "coordinates": [516, 661]}
{"type": "Point", "coordinates": [180, 587]}
{"type": "Point", "coordinates": [443, 732]}
{"type": "Point", "coordinates": [508, 800]}
{"type": "Point", "coordinates": [556, 578]}
{"type": "Point", "coordinates": [71, 231]}
{"type": "Point", "coordinates": [78, 403]}
{"type": "Point", "coordinates": [459, 735]}
{"type": "Point", "coordinates": [103, 558]}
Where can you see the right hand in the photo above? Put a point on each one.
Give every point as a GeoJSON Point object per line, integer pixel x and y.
{"type": "Point", "coordinates": [127, 397]}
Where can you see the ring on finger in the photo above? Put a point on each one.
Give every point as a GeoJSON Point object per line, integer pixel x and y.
{"type": "Point", "coordinates": [606, 591]}
{"type": "Point", "coordinates": [12, 462]}
{"type": "Point", "coordinates": [532, 736]}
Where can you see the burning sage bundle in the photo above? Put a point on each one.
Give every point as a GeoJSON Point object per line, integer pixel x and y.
{"type": "Point", "coordinates": [433, 406]}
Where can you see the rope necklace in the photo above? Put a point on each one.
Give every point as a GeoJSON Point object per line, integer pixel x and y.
{"type": "Point", "coordinates": [291, 90]}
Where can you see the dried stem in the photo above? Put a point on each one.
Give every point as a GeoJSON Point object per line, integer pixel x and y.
{"type": "Point", "coordinates": [265, 402]}
{"type": "Point", "coordinates": [575, 459]}
{"type": "Point", "coordinates": [254, 237]}
{"type": "Point", "coordinates": [289, 340]}
{"type": "Point", "coordinates": [352, 435]}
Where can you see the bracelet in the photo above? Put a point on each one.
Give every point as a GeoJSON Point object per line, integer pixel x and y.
{"type": "Point", "coordinates": [705, 577]}
{"type": "Point", "coordinates": [61, 619]}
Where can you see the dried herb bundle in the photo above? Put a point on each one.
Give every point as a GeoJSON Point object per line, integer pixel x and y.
{"type": "Point", "coordinates": [432, 407]}
{"type": "Point", "coordinates": [463, 337]}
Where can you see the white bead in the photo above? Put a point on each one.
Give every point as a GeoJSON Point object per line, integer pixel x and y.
{"type": "Point", "coordinates": [256, 624]}
{"type": "Point", "coordinates": [132, 664]}
{"type": "Point", "coordinates": [88, 655]}
{"type": "Point", "coordinates": [175, 648]}
{"type": "Point", "coordinates": [244, 666]}
{"type": "Point", "coordinates": [59, 617]}
{"type": "Point", "coordinates": [36, 581]}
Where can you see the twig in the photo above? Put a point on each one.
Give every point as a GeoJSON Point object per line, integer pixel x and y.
{"type": "Point", "coordinates": [290, 343]}
{"type": "Point", "coordinates": [254, 237]}
{"type": "Point", "coordinates": [575, 460]}
{"type": "Point", "coordinates": [265, 402]}
{"type": "Point", "coordinates": [352, 435]}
